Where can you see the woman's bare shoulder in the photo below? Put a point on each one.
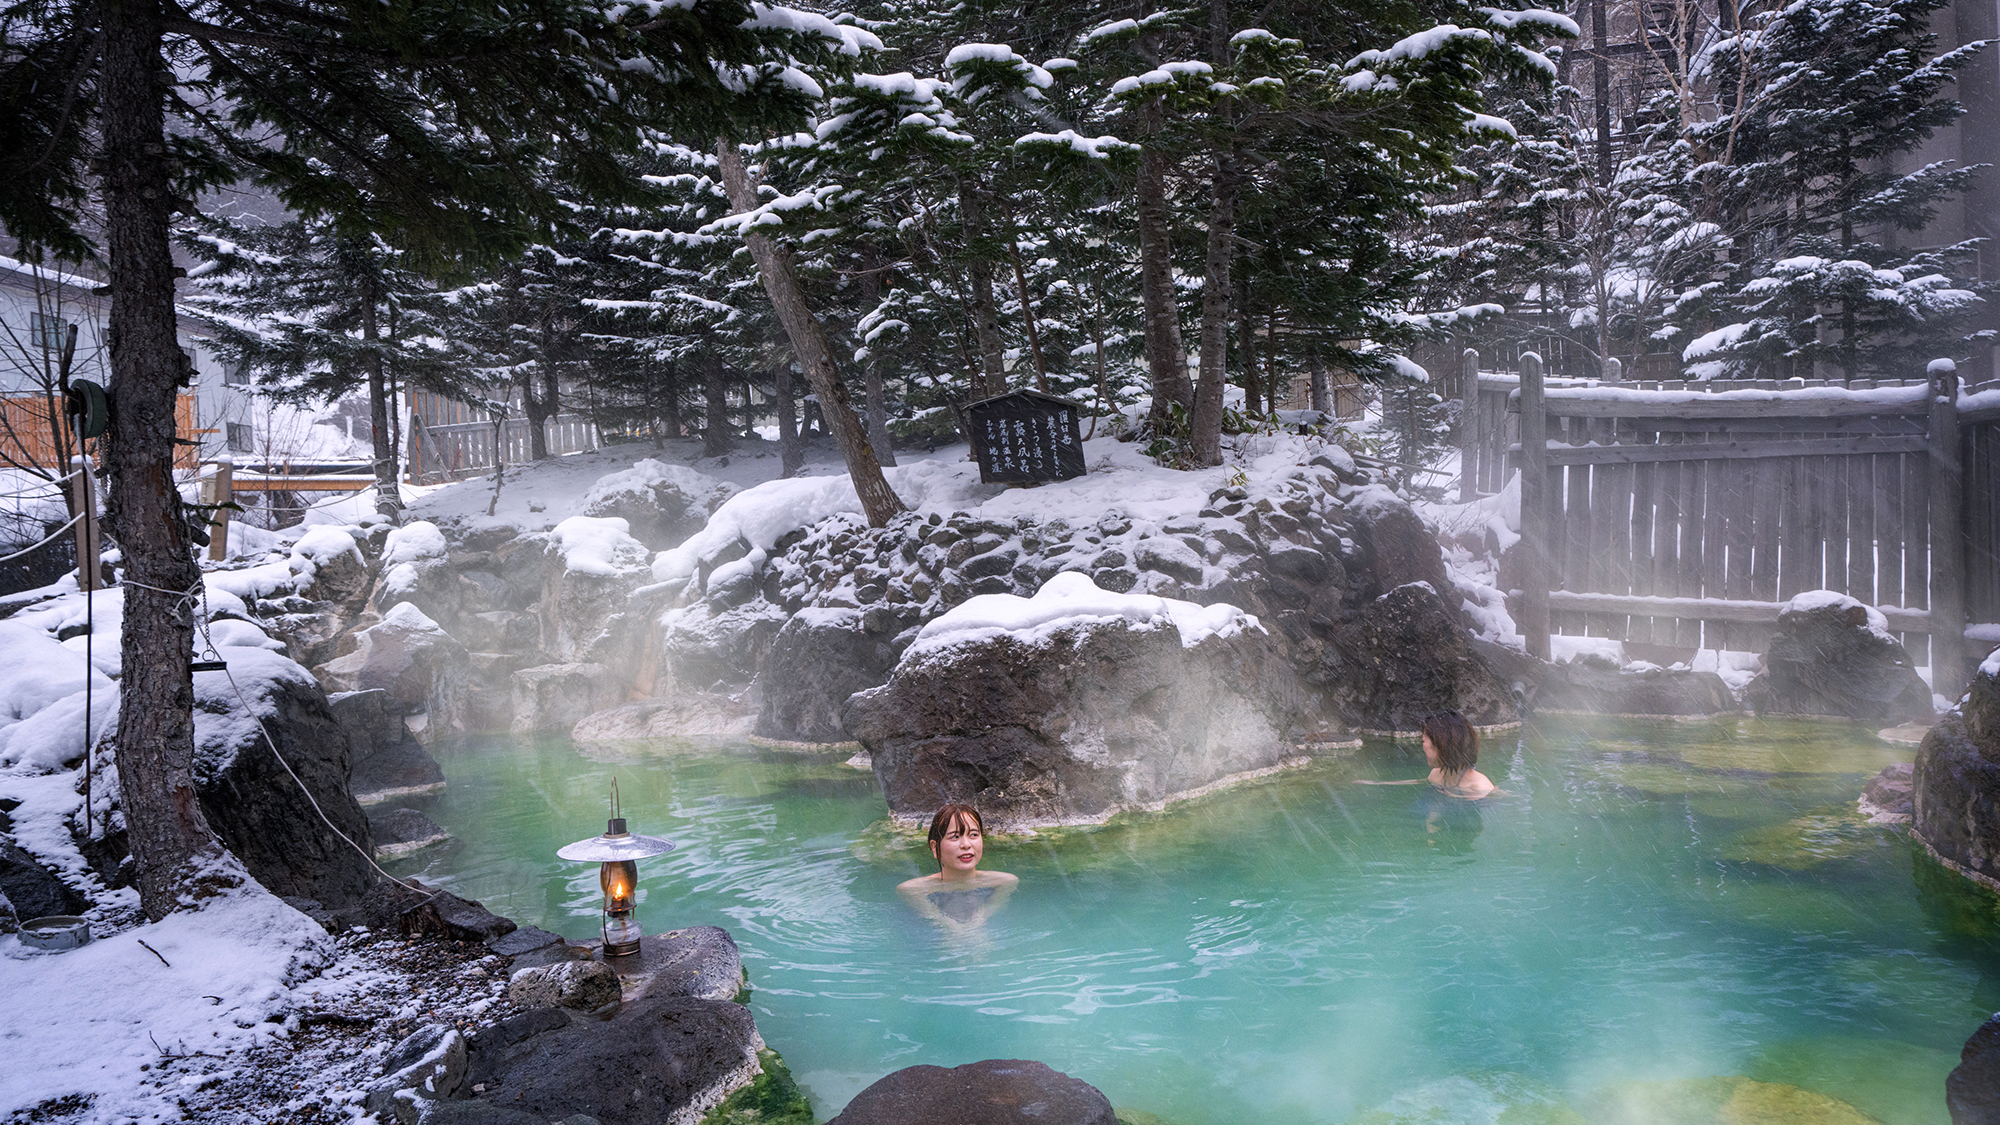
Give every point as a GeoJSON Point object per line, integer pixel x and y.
{"type": "Point", "coordinates": [918, 885]}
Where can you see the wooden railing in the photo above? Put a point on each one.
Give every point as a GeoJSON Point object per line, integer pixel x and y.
{"type": "Point", "coordinates": [465, 449]}
{"type": "Point", "coordinates": [1684, 516]}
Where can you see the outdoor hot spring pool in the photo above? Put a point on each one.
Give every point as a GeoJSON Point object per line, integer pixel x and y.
{"type": "Point", "coordinates": [1653, 907]}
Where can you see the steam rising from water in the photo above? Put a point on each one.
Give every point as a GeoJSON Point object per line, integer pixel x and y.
{"type": "Point", "coordinates": [1654, 904]}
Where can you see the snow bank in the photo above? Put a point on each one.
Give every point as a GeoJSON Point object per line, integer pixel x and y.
{"type": "Point", "coordinates": [1071, 599]}
{"type": "Point", "coordinates": [600, 545]}
{"type": "Point", "coordinates": [85, 1022]}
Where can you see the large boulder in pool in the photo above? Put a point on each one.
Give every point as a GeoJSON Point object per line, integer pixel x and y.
{"type": "Point", "coordinates": [1075, 704]}
{"type": "Point", "coordinates": [1833, 656]}
{"type": "Point", "coordinates": [1955, 785]}
{"type": "Point", "coordinates": [993, 1092]}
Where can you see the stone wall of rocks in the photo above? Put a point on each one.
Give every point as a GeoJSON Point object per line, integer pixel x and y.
{"type": "Point", "coordinates": [1342, 573]}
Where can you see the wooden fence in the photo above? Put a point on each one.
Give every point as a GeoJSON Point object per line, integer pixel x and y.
{"type": "Point", "coordinates": [455, 451]}
{"type": "Point", "coordinates": [1682, 516]}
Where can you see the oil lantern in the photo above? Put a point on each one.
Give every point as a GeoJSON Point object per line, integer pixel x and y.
{"type": "Point", "coordinates": [619, 851]}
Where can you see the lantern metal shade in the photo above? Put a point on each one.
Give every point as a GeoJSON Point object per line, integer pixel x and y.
{"type": "Point", "coordinates": [612, 849]}
{"type": "Point", "coordinates": [619, 852]}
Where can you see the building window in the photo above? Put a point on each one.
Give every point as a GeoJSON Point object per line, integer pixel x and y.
{"type": "Point", "coordinates": [237, 374]}
{"type": "Point", "coordinates": [242, 439]}
{"type": "Point", "coordinates": [51, 332]}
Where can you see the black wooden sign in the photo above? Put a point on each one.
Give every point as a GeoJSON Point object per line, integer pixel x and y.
{"type": "Point", "coordinates": [1026, 436]}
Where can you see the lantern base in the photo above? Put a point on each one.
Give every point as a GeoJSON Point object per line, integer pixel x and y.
{"type": "Point", "coordinates": [620, 948]}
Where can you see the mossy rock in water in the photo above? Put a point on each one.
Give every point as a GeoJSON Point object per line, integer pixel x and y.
{"type": "Point", "coordinates": [1895, 1081]}
{"type": "Point", "coordinates": [772, 1098]}
{"type": "Point", "coordinates": [1719, 1101]}
{"type": "Point", "coordinates": [1139, 1117]}
{"type": "Point", "coordinates": [1804, 842]}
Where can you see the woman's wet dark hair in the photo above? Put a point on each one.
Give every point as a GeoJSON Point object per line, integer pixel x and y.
{"type": "Point", "coordinates": [949, 816]}
{"type": "Point", "coordinates": [1457, 744]}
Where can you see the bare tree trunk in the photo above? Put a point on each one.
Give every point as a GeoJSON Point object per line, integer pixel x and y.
{"type": "Point", "coordinates": [1205, 425]}
{"type": "Point", "coordinates": [791, 451]}
{"type": "Point", "coordinates": [1166, 356]}
{"type": "Point", "coordinates": [1253, 393]}
{"type": "Point", "coordinates": [1027, 307]}
{"type": "Point", "coordinates": [177, 858]}
{"type": "Point", "coordinates": [1320, 391]}
{"type": "Point", "coordinates": [808, 339]}
{"type": "Point", "coordinates": [388, 496]}
{"type": "Point", "coordinates": [715, 426]}
{"type": "Point", "coordinates": [536, 411]}
{"type": "Point", "coordinates": [985, 311]}
{"type": "Point", "coordinates": [871, 370]}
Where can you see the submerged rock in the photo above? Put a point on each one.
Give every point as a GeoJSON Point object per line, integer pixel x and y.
{"type": "Point", "coordinates": [1831, 655]}
{"type": "Point", "coordinates": [992, 1092]}
{"type": "Point", "coordinates": [400, 832]}
{"type": "Point", "coordinates": [1955, 785]}
{"type": "Point", "coordinates": [1092, 704]}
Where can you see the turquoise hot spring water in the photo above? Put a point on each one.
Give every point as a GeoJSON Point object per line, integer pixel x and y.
{"type": "Point", "coordinates": [1657, 923]}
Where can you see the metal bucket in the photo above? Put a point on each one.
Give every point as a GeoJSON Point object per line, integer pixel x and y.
{"type": "Point", "coordinates": [55, 933]}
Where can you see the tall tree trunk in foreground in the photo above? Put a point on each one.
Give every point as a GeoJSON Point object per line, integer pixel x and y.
{"type": "Point", "coordinates": [808, 339]}
{"type": "Point", "coordinates": [1166, 356]}
{"type": "Point", "coordinates": [177, 858]}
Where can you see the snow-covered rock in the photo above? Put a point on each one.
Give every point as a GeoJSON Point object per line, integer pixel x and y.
{"type": "Point", "coordinates": [262, 729]}
{"type": "Point", "coordinates": [1077, 704]}
{"type": "Point", "coordinates": [1832, 655]}
{"type": "Point", "coordinates": [421, 667]}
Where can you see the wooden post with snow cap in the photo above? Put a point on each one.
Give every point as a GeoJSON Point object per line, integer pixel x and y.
{"type": "Point", "coordinates": [1468, 426]}
{"type": "Point", "coordinates": [1948, 539]}
{"type": "Point", "coordinates": [1534, 568]}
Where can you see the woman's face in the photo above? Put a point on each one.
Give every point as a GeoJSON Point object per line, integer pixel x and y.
{"type": "Point", "coordinates": [1430, 752]}
{"type": "Point", "coordinates": [958, 853]}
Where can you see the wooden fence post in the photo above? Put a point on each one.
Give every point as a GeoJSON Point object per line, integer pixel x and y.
{"type": "Point", "coordinates": [219, 489]}
{"type": "Point", "coordinates": [1468, 426]}
{"type": "Point", "coordinates": [1534, 515]}
{"type": "Point", "coordinates": [416, 461]}
{"type": "Point", "coordinates": [1948, 540]}
{"type": "Point", "coordinates": [83, 490]}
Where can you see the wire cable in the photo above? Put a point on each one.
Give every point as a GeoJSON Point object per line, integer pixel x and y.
{"type": "Point", "coordinates": [202, 625]}
{"type": "Point", "coordinates": [52, 538]}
